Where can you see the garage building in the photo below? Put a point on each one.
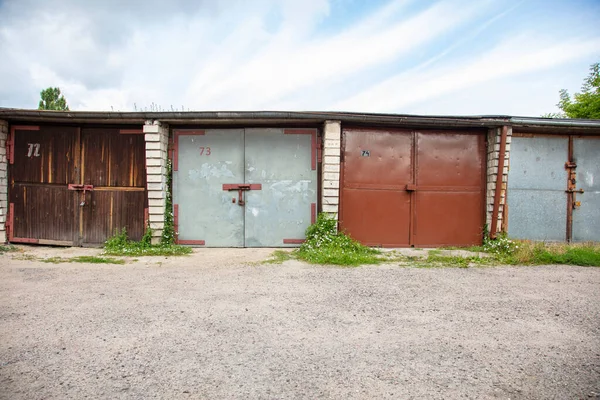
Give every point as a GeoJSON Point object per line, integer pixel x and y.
{"type": "Point", "coordinates": [258, 179]}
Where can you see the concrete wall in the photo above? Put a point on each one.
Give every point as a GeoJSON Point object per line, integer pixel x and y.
{"type": "Point", "coordinates": [157, 136]}
{"type": "Point", "coordinates": [3, 180]}
{"type": "Point", "coordinates": [493, 155]}
{"type": "Point", "coordinates": [330, 178]}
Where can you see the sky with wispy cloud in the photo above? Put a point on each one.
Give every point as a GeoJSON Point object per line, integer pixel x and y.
{"type": "Point", "coordinates": [454, 57]}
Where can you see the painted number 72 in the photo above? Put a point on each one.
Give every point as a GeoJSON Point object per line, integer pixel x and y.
{"type": "Point", "coordinates": [205, 151]}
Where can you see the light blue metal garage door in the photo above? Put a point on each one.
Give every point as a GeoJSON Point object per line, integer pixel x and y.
{"type": "Point", "coordinates": [586, 213]}
{"type": "Point", "coordinates": [537, 180]}
{"type": "Point", "coordinates": [244, 187]}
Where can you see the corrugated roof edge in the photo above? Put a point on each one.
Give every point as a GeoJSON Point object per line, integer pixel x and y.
{"type": "Point", "coordinates": [349, 117]}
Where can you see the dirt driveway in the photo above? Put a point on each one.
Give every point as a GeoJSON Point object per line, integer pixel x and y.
{"type": "Point", "coordinates": [214, 325]}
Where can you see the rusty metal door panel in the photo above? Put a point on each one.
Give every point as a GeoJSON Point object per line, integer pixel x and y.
{"type": "Point", "coordinates": [449, 189]}
{"type": "Point", "coordinates": [537, 202]}
{"type": "Point", "coordinates": [375, 205]}
{"type": "Point", "coordinates": [450, 160]}
{"type": "Point", "coordinates": [204, 161]}
{"type": "Point", "coordinates": [377, 158]}
{"type": "Point", "coordinates": [41, 207]}
{"type": "Point", "coordinates": [377, 217]}
{"type": "Point", "coordinates": [586, 213]}
{"type": "Point", "coordinates": [113, 167]}
{"type": "Point", "coordinates": [282, 162]}
{"type": "Point", "coordinates": [448, 218]}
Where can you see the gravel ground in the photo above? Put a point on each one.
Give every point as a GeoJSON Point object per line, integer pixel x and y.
{"type": "Point", "coordinates": [214, 325]}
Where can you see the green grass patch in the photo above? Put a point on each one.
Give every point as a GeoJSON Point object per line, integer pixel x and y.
{"type": "Point", "coordinates": [324, 245]}
{"type": "Point", "coordinates": [83, 259]}
{"type": "Point", "coordinates": [531, 253]}
{"type": "Point", "coordinates": [7, 249]}
{"type": "Point", "coordinates": [523, 252]}
{"type": "Point", "coordinates": [120, 245]}
{"type": "Point", "coordinates": [279, 256]}
{"type": "Point", "coordinates": [438, 260]}
{"type": "Point", "coordinates": [97, 260]}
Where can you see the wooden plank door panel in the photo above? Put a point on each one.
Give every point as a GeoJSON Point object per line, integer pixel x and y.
{"type": "Point", "coordinates": [114, 164]}
{"type": "Point", "coordinates": [42, 207]}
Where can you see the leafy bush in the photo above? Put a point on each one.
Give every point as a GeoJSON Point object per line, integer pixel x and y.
{"type": "Point", "coordinates": [324, 245]}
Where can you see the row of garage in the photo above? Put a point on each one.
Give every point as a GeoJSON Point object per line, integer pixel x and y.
{"type": "Point", "coordinates": [260, 179]}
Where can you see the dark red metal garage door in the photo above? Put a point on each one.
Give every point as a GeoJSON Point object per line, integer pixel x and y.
{"type": "Point", "coordinates": [413, 188]}
{"type": "Point", "coordinates": [72, 186]}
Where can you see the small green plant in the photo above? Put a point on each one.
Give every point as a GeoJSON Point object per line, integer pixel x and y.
{"type": "Point", "coordinates": [502, 245]}
{"type": "Point", "coordinates": [325, 245]}
{"type": "Point", "coordinates": [118, 241]}
{"type": "Point", "coordinates": [168, 233]}
{"type": "Point", "coordinates": [120, 245]}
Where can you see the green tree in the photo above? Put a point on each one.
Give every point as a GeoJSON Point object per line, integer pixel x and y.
{"type": "Point", "coordinates": [52, 99]}
{"type": "Point", "coordinates": [586, 104]}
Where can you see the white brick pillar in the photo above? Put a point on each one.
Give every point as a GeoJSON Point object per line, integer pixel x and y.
{"type": "Point", "coordinates": [330, 179]}
{"type": "Point", "coordinates": [157, 137]}
{"type": "Point", "coordinates": [493, 155]}
{"type": "Point", "coordinates": [3, 180]}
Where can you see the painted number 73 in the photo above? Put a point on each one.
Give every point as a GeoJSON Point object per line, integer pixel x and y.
{"type": "Point", "coordinates": [205, 151]}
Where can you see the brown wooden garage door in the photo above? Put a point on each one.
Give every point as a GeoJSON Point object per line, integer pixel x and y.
{"type": "Point", "coordinates": [75, 186]}
{"type": "Point", "coordinates": [413, 188]}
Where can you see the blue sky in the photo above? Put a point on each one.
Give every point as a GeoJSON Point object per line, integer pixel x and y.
{"type": "Point", "coordinates": [450, 57]}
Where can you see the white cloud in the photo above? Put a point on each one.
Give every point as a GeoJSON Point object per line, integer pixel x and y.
{"type": "Point", "coordinates": [516, 56]}
{"type": "Point", "coordinates": [267, 54]}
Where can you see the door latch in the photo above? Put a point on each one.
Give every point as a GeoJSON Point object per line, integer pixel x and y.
{"type": "Point", "coordinates": [84, 188]}
{"type": "Point", "coordinates": [241, 188]}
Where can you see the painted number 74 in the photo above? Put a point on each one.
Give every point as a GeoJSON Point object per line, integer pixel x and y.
{"type": "Point", "coordinates": [205, 151]}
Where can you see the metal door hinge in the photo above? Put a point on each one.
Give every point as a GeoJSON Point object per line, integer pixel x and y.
{"type": "Point", "coordinates": [574, 191]}
{"type": "Point", "coordinates": [570, 164]}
